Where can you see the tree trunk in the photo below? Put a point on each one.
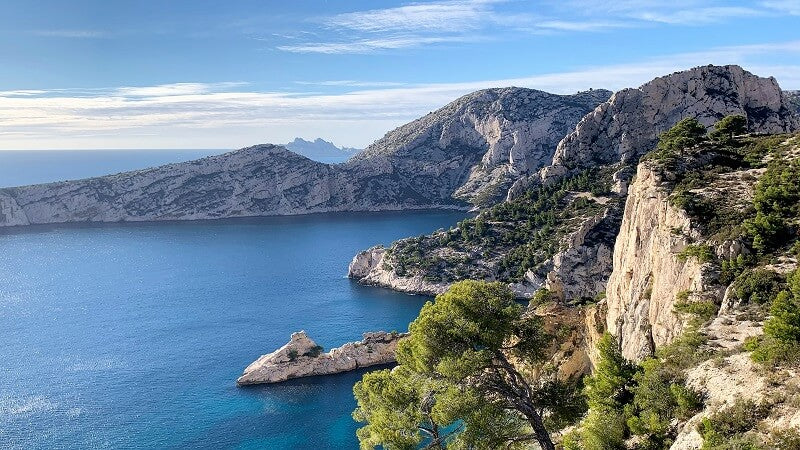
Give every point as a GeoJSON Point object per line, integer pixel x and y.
{"type": "Point", "coordinates": [542, 436]}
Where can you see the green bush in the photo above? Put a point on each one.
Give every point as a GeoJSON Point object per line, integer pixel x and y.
{"type": "Point", "coordinates": [686, 133]}
{"type": "Point", "coordinates": [626, 400]}
{"type": "Point", "coordinates": [702, 253]}
{"type": "Point", "coordinates": [777, 204]}
{"type": "Point", "coordinates": [728, 426]}
{"type": "Point", "coordinates": [703, 310]}
{"type": "Point", "coordinates": [314, 351]}
{"type": "Point", "coordinates": [781, 340]}
{"type": "Point", "coordinates": [757, 286]}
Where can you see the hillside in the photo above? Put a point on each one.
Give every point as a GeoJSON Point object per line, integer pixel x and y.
{"type": "Point", "coordinates": [468, 151]}
{"type": "Point", "coordinates": [708, 240]}
{"type": "Point", "coordinates": [558, 228]}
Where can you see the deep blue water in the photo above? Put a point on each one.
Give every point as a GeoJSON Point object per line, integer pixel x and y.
{"type": "Point", "coordinates": [18, 168]}
{"type": "Point", "coordinates": [132, 336]}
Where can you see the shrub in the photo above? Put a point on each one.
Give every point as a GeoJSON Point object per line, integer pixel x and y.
{"type": "Point", "coordinates": [625, 399]}
{"type": "Point", "coordinates": [757, 286]}
{"type": "Point", "coordinates": [313, 351]}
{"type": "Point", "coordinates": [659, 396]}
{"type": "Point", "coordinates": [703, 310]}
{"type": "Point", "coordinates": [702, 253]}
{"type": "Point", "coordinates": [729, 425]}
{"type": "Point", "coordinates": [785, 439]}
{"type": "Point", "coordinates": [541, 297]}
{"type": "Point", "coordinates": [777, 204]}
{"type": "Point", "coordinates": [686, 133]}
{"type": "Point", "coordinates": [781, 340]}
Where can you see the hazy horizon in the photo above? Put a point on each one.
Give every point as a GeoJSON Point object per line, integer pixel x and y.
{"type": "Point", "coordinates": [99, 75]}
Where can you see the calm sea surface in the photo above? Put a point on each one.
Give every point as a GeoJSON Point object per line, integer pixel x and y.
{"type": "Point", "coordinates": [132, 336]}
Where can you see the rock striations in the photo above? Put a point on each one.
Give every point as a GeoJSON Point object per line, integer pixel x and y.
{"type": "Point", "coordinates": [611, 137]}
{"type": "Point", "coordinates": [302, 357]}
{"type": "Point", "coordinates": [476, 146]}
{"type": "Point", "coordinates": [627, 125]}
{"type": "Point", "coordinates": [461, 152]}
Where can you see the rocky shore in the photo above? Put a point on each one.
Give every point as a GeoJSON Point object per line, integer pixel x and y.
{"type": "Point", "coordinates": [302, 357]}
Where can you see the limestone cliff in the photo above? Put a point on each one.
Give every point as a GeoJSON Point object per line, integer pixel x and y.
{"type": "Point", "coordinates": [570, 254]}
{"type": "Point", "coordinates": [302, 357]}
{"type": "Point", "coordinates": [647, 274]}
{"type": "Point", "coordinates": [479, 144]}
{"type": "Point", "coordinates": [628, 125]}
{"type": "Point", "coordinates": [682, 221]}
{"type": "Point", "coordinates": [458, 153]}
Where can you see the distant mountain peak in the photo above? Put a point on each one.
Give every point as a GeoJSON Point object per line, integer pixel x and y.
{"type": "Point", "coordinates": [319, 149]}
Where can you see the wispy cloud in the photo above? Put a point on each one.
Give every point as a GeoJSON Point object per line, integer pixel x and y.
{"type": "Point", "coordinates": [74, 34]}
{"type": "Point", "coordinates": [696, 16]}
{"type": "Point", "coordinates": [372, 45]}
{"type": "Point", "coordinates": [461, 21]}
{"type": "Point", "coordinates": [164, 90]}
{"type": "Point", "coordinates": [351, 83]}
{"type": "Point", "coordinates": [449, 16]}
{"type": "Point", "coordinates": [230, 115]}
{"type": "Point", "coordinates": [408, 26]}
{"type": "Point", "coordinates": [785, 6]}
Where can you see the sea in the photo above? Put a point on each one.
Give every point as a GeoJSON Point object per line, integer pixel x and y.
{"type": "Point", "coordinates": [132, 335]}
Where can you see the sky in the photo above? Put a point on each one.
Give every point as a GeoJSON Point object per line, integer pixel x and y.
{"type": "Point", "coordinates": [99, 74]}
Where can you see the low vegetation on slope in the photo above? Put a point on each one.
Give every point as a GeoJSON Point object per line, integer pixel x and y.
{"type": "Point", "coordinates": [742, 193]}
{"type": "Point", "coordinates": [463, 371]}
{"type": "Point", "coordinates": [505, 241]}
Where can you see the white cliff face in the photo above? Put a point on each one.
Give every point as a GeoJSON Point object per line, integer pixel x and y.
{"type": "Point", "coordinates": [491, 136]}
{"type": "Point", "coordinates": [367, 267]}
{"type": "Point", "coordinates": [301, 357]}
{"type": "Point", "coordinates": [628, 124]}
{"type": "Point", "coordinates": [647, 274]}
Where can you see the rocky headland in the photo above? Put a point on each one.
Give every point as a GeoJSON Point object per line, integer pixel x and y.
{"type": "Point", "coordinates": [453, 158]}
{"type": "Point", "coordinates": [302, 357]}
{"type": "Point", "coordinates": [558, 226]}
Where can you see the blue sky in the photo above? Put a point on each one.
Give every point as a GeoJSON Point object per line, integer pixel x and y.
{"type": "Point", "coordinates": [212, 74]}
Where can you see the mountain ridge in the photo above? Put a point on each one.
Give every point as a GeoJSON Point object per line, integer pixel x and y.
{"type": "Point", "coordinates": [271, 180]}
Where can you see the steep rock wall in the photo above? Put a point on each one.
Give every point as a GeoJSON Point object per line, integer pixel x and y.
{"type": "Point", "coordinates": [647, 271]}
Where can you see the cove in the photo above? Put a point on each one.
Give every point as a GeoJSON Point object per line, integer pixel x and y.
{"type": "Point", "coordinates": [132, 336]}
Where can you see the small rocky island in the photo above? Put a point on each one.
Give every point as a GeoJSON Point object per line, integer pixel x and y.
{"type": "Point", "coordinates": [302, 357]}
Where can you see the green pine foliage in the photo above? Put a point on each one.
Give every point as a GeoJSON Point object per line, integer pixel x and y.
{"type": "Point", "coordinates": [627, 400]}
{"type": "Point", "coordinates": [517, 235]}
{"type": "Point", "coordinates": [781, 340]}
{"type": "Point", "coordinates": [455, 385]}
{"type": "Point", "coordinates": [777, 205]}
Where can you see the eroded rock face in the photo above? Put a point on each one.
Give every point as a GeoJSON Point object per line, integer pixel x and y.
{"type": "Point", "coordinates": [647, 274]}
{"type": "Point", "coordinates": [628, 124]}
{"type": "Point", "coordinates": [464, 150]}
{"type": "Point", "coordinates": [479, 144]}
{"type": "Point", "coordinates": [367, 267]}
{"type": "Point", "coordinates": [301, 357]}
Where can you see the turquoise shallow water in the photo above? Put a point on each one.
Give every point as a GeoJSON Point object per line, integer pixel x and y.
{"type": "Point", "coordinates": [131, 336]}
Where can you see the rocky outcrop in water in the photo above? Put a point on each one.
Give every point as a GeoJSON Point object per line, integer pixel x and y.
{"type": "Point", "coordinates": [449, 157]}
{"type": "Point", "coordinates": [302, 357]}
